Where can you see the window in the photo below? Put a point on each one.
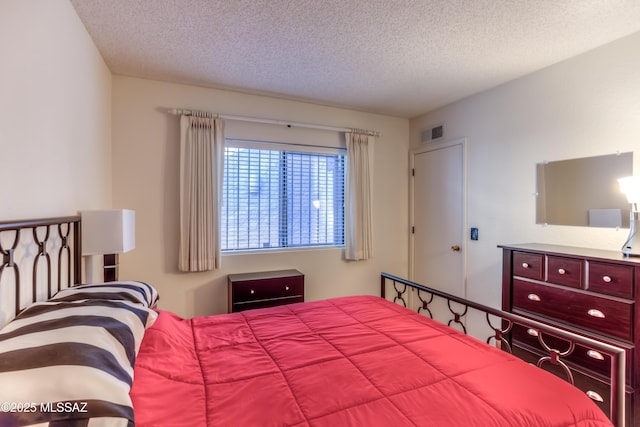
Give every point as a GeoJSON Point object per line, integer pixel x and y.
{"type": "Point", "coordinates": [278, 197]}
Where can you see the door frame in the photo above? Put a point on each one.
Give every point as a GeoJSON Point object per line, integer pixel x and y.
{"type": "Point", "coordinates": [432, 146]}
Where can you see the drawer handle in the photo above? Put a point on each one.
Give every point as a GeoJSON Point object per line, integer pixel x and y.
{"type": "Point", "coordinates": [533, 297]}
{"type": "Point", "coordinates": [532, 332]}
{"type": "Point", "coordinates": [596, 313]}
{"type": "Point", "coordinates": [594, 396]}
{"type": "Point", "coordinates": [595, 355]}
{"type": "Point", "coordinates": [252, 292]}
{"type": "Point", "coordinates": [562, 271]}
{"type": "Point", "coordinates": [286, 288]}
{"type": "Point", "coordinates": [525, 265]}
{"type": "Point", "coordinates": [606, 279]}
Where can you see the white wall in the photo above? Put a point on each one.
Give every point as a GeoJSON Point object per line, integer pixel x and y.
{"type": "Point", "coordinates": [55, 119]}
{"type": "Point", "coordinates": [588, 105]}
{"type": "Point", "coordinates": [145, 178]}
{"type": "Point", "coordinates": [55, 113]}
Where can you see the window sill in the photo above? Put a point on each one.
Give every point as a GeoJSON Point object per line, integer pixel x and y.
{"type": "Point", "coordinates": [281, 250]}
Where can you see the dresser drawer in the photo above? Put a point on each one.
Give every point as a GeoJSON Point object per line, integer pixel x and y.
{"type": "Point", "coordinates": [528, 265]}
{"type": "Point", "coordinates": [565, 271]}
{"type": "Point", "coordinates": [581, 356]}
{"type": "Point", "coordinates": [255, 290]}
{"type": "Point", "coordinates": [602, 315]}
{"type": "Point", "coordinates": [598, 391]}
{"type": "Point", "coordinates": [611, 279]}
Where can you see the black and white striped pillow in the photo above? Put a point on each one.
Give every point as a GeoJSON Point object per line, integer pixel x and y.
{"type": "Point", "coordinates": [138, 292]}
{"type": "Point", "coordinates": [71, 363]}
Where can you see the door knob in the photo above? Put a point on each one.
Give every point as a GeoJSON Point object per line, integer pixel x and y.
{"type": "Point", "coordinates": [455, 248]}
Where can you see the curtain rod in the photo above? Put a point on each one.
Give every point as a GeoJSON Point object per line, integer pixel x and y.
{"type": "Point", "coordinates": [184, 112]}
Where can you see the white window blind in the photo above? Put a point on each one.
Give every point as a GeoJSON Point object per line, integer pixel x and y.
{"type": "Point", "coordinates": [283, 197]}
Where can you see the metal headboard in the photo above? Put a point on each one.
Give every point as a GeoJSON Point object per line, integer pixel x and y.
{"type": "Point", "coordinates": [47, 251]}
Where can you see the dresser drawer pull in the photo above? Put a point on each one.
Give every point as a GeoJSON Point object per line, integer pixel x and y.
{"type": "Point", "coordinates": [525, 265]}
{"type": "Point", "coordinates": [286, 288]}
{"type": "Point", "coordinates": [562, 271]}
{"type": "Point", "coordinates": [533, 297]}
{"type": "Point", "coordinates": [596, 313]}
{"type": "Point", "coordinates": [595, 396]}
{"type": "Point", "coordinates": [606, 279]}
{"type": "Point", "coordinates": [532, 332]}
{"type": "Point", "coordinates": [252, 292]}
{"type": "Point", "coordinates": [595, 355]}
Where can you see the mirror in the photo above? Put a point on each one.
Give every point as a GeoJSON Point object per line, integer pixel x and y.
{"type": "Point", "coordinates": [584, 191]}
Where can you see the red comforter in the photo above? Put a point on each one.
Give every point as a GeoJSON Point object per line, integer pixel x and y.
{"type": "Point", "coordinates": [356, 361]}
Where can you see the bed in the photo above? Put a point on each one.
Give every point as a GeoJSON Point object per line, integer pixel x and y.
{"type": "Point", "coordinates": [101, 354]}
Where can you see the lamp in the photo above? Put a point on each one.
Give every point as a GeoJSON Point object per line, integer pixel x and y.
{"type": "Point", "coordinates": [107, 232]}
{"type": "Point", "coordinates": [630, 186]}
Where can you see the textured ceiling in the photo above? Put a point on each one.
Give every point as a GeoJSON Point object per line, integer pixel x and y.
{"type": "Point", "coordinates": [394, 57]}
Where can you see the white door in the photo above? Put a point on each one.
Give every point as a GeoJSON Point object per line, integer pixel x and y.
{"type": "Point", "coordinates": [438, 217]}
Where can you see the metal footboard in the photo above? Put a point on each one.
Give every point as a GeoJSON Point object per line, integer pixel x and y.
{"type": "Point", "coordinates": [501, 335]}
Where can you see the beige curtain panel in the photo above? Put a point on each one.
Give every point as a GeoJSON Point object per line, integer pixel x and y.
{"type": "Point", "coordinates": [201, 174]}
{"type": "Point", "coordinates": [358, 199]}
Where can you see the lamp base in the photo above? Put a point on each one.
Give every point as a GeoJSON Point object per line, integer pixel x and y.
{"type": "Point", "coordinates": [631, 247]}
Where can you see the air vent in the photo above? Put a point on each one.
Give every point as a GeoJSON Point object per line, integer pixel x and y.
{"type": "Point", "coordinates": [432, 134]}
{"type": "Point", "coordinates": [437, 132]}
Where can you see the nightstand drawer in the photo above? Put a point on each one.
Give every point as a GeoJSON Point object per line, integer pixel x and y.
{"type": "Point", "coordinates": [528, 265]}
{"type": "Point", "coordinates": [266, 303]}
{"type": "Point", "coordinates": [602, 315]}
{"type": "Point", "coordinates": [611, 279]}
{"type": "Point", "coordinates": [565, 271]}
{"type": "Point", "coordinates": [281, 287]}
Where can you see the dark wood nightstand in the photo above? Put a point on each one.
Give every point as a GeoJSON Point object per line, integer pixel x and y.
{"type": "Point", "coordinates": [264, 289]}
{"type": "Point", "coordinates": [110, 267]}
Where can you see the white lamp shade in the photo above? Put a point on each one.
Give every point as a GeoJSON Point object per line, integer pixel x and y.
{"type": "Point", "coordinates": [109, 231]}
{"type": "Point", "coordinates": [630, 186]}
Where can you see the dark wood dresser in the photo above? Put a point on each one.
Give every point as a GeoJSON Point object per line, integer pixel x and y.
{"type": "Point", "coordinates": [584, 290]}
{"type": "Point", "coordinates": [264, 289]}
